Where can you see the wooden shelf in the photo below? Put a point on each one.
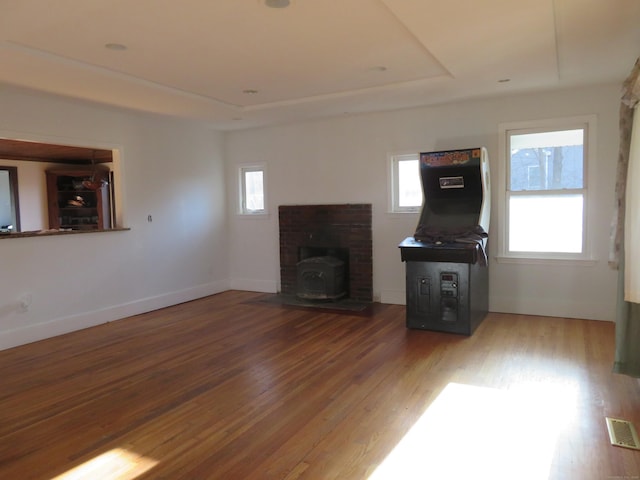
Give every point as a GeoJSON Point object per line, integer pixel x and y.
{"type": "Point", "coordinates": [64, 186]}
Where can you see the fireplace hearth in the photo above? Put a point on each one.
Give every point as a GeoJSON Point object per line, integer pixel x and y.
{"type": "Point", "coordinates": [326, 251]}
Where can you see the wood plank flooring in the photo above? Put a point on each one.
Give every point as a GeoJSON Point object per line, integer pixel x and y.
{"type": "Point", "coordinates": [227, 387]}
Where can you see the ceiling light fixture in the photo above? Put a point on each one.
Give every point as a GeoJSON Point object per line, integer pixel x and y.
{"type": "Point", "coordinates": [277, 3]}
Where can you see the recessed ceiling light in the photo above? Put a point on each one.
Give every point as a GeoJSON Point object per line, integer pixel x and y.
{"type": "Point", "coordinates": [115, 46]}
{"type": "Point", "coordinates": [277, 3]}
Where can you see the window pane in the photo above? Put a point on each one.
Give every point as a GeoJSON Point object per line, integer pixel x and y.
{"type": "Point", "coordinates": [550, 223]}
{"type": "Point", "coordinates": [254, 192]}
{"type": "Point", "coordinates": [409, 188]}
{"type": "Point", "coordinates": [547, 160]}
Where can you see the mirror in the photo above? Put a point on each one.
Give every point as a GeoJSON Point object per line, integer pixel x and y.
{"type": "Point", "coordinates": [9, 200]}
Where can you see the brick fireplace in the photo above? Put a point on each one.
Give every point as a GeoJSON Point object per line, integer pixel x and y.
{"type": "Point", "coordinates": [342, 230]}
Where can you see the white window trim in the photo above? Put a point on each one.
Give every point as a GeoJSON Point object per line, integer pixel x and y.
{"type": "Point", "coordinates": [586, 256]}
{"type": "Point", "coordinates": [242, 169]}
{"type": "Point", "coordinates": [393, 187]}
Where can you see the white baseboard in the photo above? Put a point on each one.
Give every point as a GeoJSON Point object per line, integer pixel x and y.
{"type": "Point", "coordinates": [60, 326]}
{"type": "Point", "coordinates": [393, 297]}
{"type": "Point", "coordinates": [542, 307]}
{"type": "Point", "coordinates": [249, 285]}
{"type": "Point", "coordinates": [552, 308]}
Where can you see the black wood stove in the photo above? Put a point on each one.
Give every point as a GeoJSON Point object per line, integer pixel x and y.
{"type": "Point", "coordinates": [446, 262]}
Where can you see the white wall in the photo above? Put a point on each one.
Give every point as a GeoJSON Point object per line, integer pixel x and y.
{"type": "Point", "coordinates": [176, 172]}
{"type": "Point", "coordinates": [346, 160]}
{"type": "Point", "coordinates": [171, 170]}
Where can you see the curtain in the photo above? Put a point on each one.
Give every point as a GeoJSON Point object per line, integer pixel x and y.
{"type": "Point", "coordinates": [625, 230]}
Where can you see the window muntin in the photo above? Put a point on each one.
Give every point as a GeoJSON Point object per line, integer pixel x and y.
{"type": "Point", "coordinates": [406, 187]}
{"type": "Point", "coordinates": [252, 192]}
{"type": "Point", "coordinates": [546, 191]}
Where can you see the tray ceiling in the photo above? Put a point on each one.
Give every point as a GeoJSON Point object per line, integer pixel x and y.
{"type": "Point", "coordinates": [239, 64]}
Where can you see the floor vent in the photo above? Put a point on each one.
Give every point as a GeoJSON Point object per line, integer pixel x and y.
{"type": "Point", "coordinates": [622, 433]}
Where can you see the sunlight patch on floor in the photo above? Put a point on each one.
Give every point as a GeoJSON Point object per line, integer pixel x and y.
{"type": "Point", "coordinates": [116, 464]}
{"type": "Point", "coordinates": [484, 433]}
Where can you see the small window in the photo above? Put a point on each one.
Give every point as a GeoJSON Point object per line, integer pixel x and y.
{"type": "Point", "coordinates": [252, 181]}
{"type": "Point", "coordinates": [406, 189]}
{"type": "Point", "coordinates": [546, 192]}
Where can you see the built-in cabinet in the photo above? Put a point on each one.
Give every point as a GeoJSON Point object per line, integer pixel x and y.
{"type": "Point", "coordinates": [79, 199]}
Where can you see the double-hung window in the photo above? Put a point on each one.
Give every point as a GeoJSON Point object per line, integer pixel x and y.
{"type": "Point", "coordinates": [252, 189]}
{"type": "Point", "coordinates": [405, 188]}
{"type": "Point", "coordinates": [545, 200]}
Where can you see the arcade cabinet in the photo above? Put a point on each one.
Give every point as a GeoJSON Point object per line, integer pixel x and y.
{"type": "Point", "coordinates": [446, 259]}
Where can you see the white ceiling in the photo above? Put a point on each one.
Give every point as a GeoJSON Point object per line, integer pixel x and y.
{"type": "Point", "coordinates": [197, 58]}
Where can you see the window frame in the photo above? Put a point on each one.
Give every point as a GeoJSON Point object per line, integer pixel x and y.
{"type": "Point", "coordinates": [588, 124]}
{"type": "Point", "coordinates": [394, 182]}
{"type": "Point", "coordinates": [242, 197]}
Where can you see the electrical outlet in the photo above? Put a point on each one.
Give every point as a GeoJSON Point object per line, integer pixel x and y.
{"type": "Point", "coordinates": [24, 302]}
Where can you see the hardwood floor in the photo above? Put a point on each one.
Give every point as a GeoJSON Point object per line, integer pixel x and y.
{"type": "Point", "coordinates": [228, 387]}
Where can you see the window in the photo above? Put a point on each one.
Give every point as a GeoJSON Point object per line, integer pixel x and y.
{"type": "Point", "coordinates": [545, 199]}
{"type": "Point", "coordinates": [252, 180]}
{"type": "Point", "coordinates": [406, 189]}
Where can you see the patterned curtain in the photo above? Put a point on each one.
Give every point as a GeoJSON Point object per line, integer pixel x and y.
{"type": "Point", "coordinates": [627, 359]}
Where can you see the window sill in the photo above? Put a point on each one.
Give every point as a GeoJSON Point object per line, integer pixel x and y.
{"type": "Point", "coordinates": [403, 213]}
{"type": "Point", "coordinates": [51, 233]}
{"type": "Point", "coordinates": [257, 216]}
{"type": "Point", "coordinates": [556, 261]}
